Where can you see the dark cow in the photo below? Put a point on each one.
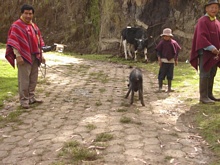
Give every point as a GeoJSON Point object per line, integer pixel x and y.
{"type": "Point", "coordinates": [137, 37]}
{"type": "Point", "coordinates": [136, 84]}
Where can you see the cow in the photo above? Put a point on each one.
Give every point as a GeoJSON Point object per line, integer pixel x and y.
{"type": "Point", "coordinates": [137, 37]}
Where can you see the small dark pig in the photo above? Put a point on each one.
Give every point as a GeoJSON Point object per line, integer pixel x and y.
{"type": "Point", "coordinates": [135, 84]}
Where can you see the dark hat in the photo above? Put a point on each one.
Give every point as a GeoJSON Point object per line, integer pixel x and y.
{"type": "Point", "coordinates": [212, 2]}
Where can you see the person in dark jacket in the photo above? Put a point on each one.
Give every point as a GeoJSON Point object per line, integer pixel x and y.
{"type": "Point", "coordinates": [167, 54]}
{"type": "Point", "coordinates": [205, 51]}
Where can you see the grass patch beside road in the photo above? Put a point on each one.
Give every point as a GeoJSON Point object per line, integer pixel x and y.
{"type": "Point", "coordinates": [207, 121]}
{"type": "Point", "coordinates": [9, 83]}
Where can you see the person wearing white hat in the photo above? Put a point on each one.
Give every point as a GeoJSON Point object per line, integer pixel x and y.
{"type": "Point", "coordinates": [167, 32]}
{"type": "Point", "coordinates": [167, 54]}
{"type": "Point", "coordinates": [205, 51]}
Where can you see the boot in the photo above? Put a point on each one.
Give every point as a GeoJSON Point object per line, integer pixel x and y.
{"type": "Point", "coordinates": [203, 90]}
{"type": "Point", "coordinates": [169, 86]}
{"type": "Point", "coordinates": [160, 82]}
{"type": "Point", "coordinates": [210, 88]}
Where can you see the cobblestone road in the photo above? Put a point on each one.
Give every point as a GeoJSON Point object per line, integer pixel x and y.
{"type": "Point", "coordinates": [77, 93]}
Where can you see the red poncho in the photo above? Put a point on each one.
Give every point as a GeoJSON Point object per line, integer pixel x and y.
{"type": "Point", "coordinates": [27, 39]}
{"type": "Point", "coordinates": [207, 33]}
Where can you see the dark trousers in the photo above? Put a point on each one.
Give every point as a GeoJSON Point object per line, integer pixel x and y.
{"type": "Point", "coordinates": [206, 74]}
{"type": "Point", "coordinates": [166, 70]}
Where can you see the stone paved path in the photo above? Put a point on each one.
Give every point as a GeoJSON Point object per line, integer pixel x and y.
{"type": "Point", "coordinates": [79, 92]}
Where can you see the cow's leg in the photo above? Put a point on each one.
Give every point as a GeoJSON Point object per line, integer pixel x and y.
{"type": "Point", "coordinates": [145, 54]}
{"type": "Point", "coordinates": [135, 55]}
{"type": "Point", "coordinates": [125, 48]}
{"type": "Point", "coordinates": [129, 50]}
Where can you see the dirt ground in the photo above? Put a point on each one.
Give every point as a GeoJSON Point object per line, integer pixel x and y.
{"type": "Point", "coordinates": [79, 92]}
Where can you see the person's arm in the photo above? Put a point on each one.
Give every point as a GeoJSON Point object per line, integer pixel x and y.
{"type": "Point", "coordinates": [19, 59]}
{"type": "Point", "coordinates": [212, 49]}
{"type": "Point", "coordinates": [176, 61]}
{"type": "Point", "coordinates": [159, 58]}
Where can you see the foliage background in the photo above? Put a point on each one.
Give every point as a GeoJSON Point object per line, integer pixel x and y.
{"type": "Point", "coordinates": [93, 26]}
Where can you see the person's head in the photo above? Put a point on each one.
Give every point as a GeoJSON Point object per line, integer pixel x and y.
{"type": "Point", "coordinates": [27, 13]}
{"type": "Point", "coordinates": [167, 34]}
{"type": "Point", "coordinates": [212, 8]}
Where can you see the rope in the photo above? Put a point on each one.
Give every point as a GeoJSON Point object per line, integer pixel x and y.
{"type": "Point", "coordinates": [44, 67]}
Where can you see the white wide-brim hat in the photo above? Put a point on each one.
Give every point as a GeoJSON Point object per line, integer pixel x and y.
{"type": "Point", "coordinates": [167, 32]}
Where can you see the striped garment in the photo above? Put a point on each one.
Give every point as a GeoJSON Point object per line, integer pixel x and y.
{"type": "Point", "coordinates": [27, 39]}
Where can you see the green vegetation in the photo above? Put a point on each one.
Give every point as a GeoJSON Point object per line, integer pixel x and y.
{"type": "Point", "coordinates": [91, 127]}
{"type": "Point", "coordinates": [74, 152]}
{"type": "Point", "coordinates": [207, 119]}
{"type": "Point", "coordinates": [9, 83]}
{"type": "Point", "coordinates": [2, 46]}
{"type": "Point", "coordinates": [103, 137]}
{"type": "Point", "coordinates": [95, 18]}
{"type": "Point", "coordinates": [100, 76]}
{"type": "Point", "coordinates": [125, 119]}
{"type": "Point", "coordinates": [98, 103]}
{"type": "Point", "coordinates": [12, 117]}
{"type": "Point", "coordinates": [122, 110]}
{"type": "Point", "coordinates": [168, 158]}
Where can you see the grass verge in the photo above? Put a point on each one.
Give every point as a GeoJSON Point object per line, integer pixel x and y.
{"type": "Point", "coordinates": [9, 83]}
{"type": "Point", "coordinates": [206, 119]}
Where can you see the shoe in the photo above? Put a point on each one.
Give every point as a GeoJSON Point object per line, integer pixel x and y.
{"type": "Point", "coordinates": [160, 90]}
{"type": "Point", "coordinates": [25, 106]}
{"type": "Point", "coordinates": [33, 101]}
{"type": "Point", "coordinates": [169, 90]}
{"type": "Point", "coordinates": [206, 101]}
{"type": "Point", "coordinates": [213, 98]}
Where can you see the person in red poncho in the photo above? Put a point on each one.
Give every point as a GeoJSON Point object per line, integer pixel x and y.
{"type": "Point", "coordinates": [24, 44]}
{"type": "Point", "coordinates": [205, 51]}
{"type": "Point", "coordinates": [167, 54]}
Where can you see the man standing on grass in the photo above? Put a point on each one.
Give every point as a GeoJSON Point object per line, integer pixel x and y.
{"type": "Point", "coordinates": [24, 44]}
{"type": "Point", "coordinates": [206, 51]}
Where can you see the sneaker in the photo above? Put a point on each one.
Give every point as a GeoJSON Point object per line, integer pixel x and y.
{"type": "Point", "coordinates": [33, 101]}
